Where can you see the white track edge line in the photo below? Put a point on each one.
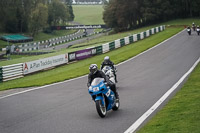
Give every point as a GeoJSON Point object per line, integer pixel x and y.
{"type": "Point", "coordinates": [139, 121]}
{"type": "Point", "coordinates": [37, 88]}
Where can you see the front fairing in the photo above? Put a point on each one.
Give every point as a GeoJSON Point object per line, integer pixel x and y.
{"type": "Point", "coordinates": [97, 86]}
{"type": "Point", "coordinates": [97, 91]}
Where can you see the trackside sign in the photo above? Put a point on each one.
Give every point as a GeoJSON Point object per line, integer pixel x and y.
{"type": "Point", "coordinates": [37, 65]}
{"type": "Point", "coordinates": [78, 27]}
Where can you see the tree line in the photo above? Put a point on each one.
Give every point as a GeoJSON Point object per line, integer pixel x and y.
{"type": "Point", "coordinates": [33, 15]}
{"type": "Point", "coordinates": [129, 14]}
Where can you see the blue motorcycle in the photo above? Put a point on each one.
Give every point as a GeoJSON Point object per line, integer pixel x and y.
{"type": "Point", "coordinates": [103, 96]}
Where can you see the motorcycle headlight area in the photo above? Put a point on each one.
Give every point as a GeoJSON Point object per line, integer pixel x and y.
{"type": "Point", "coordinates": [96, 89]}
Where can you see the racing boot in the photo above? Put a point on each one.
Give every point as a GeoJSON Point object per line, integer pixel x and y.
{"type": "Point", "coordinates": [116, 95]}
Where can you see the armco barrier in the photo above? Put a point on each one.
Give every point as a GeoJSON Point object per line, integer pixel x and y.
{"type": "Point", "coordinates": [131, 39]}
{"type": "Point", "coordinates": [122, 42]}
{"type": "Point", "coordinates": [18, 70]}
{"type": "Point", "coordinates": [1, 76]}
{"type": "Point", "coordinates": [12, 72]}
{"type": "Point", "coordinates": [105, 47]}
{"type": "Point", "coordinates": [99, 50]}
{"type": "Point", "coordinates": [111, 46]}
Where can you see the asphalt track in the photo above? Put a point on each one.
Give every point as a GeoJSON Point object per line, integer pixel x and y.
{"type": "Point", "coordinates": [67, 107]}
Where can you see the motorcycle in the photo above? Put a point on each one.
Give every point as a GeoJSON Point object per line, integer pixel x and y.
{"type": "Point", "coordinates": [198, 31]}
{"type": "Point", "coordinates": [103, 96]}
{"type": "Point", "coordinates": [110, 73]}
{"type": "Point", "coordinates": [189, 31]}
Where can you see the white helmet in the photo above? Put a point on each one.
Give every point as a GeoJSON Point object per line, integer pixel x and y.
{"type": "Point", "coordinates": [106, 58]}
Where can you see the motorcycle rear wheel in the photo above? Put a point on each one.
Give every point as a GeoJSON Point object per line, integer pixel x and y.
{"type": "Point", "coordinates": [101, 109]}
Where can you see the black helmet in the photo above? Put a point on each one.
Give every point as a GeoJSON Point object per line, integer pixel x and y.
{"type": "Point", "coordinates": [93, 68]}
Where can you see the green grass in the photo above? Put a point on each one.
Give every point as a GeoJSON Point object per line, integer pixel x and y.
{"type": "Point", "coordinates": [81, 68]}
{"type": "Point", "coordinates": [182, 113]}
{"type": "Point", "coordinates": [88, 14]}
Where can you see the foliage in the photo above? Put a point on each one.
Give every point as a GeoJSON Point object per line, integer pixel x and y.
{"type": "Point", "coordinates": [58, 12]}
{"type": "Point", "coordinates": [39, 13]}
{"type": "Point", "coordinates": [128, 14]}
{"type": "Point", "coordinates": [31, 15]}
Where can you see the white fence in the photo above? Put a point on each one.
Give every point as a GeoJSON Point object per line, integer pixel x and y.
{"type": "Point", "coordinates": [12, 71]}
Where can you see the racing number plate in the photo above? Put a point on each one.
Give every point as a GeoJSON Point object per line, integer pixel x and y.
{"type": "Point", "coordinates": [108, 93]}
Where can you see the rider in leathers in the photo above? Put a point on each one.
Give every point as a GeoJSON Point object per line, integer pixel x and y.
{"type": "Point", "coordinates": [95, 73]}
{"type": "Point", "coordinates": [108, 62]}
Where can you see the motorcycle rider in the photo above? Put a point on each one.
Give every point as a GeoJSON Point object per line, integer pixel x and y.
{"type": "Point", "coordinates": [198, 30]}
{"type": "Point", "coordinates": [108, 62]}
{"type": "Point", "coordinates": [193, 26]}
{"type": "Point", "coordinates": [95, 73]}
{"type": "Point", "coordinates": [189, 30]}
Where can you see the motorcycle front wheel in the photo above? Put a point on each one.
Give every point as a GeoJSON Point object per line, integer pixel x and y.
{"type": "Point", "coordinates": [101, 109]}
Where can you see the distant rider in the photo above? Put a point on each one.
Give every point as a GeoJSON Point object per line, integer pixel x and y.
{"type": "Point", "coordinates": [108, 62]}
{"type": "Point", "coordinates": [193, 26]}
{"type": "Point", "coordinates": [189, 30]}
{"type": "Point", "coordinates": [198, 30]}
{"type": "Point", "coordinates": [95, 73]}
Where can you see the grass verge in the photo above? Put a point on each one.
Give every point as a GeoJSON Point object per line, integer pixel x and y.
{"type": "Point", "coordinates": [88, 14]}
{"type": "Point", "coordinates": [81, 68]}
{"type": "Point", "coordinates": [181, 114]}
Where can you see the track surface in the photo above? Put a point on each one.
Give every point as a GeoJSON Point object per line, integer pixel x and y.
{"type": "Point", "coordinates": [68, 108]}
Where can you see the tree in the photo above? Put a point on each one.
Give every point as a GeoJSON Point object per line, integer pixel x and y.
{"type": "Point", "coordinates": [58, 12]}
{"type": "Point", "coordinates": [39, 18]}
{"type": "Point", "coordinates": [71, 13]}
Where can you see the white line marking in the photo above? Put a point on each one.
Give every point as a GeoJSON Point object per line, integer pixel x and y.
{"type": "Point", "coordinates": [37, 88]}
{"type": "Point", "coordinates": [139, 121]}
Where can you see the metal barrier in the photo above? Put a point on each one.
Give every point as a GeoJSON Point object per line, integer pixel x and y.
{"type": "Point", "coordinates": [12, 72]}
{"type": "Point", "coordinates": [1, 76]}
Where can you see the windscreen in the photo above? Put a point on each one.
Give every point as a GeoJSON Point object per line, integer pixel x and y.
{"type": "Point", "coordinates": [96, 81]}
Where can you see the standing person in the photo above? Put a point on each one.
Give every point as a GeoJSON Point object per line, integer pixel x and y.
{"type": "Point", "coordinates": [95, 73]}
{"type": "Point", "coordinates": [108, 62]}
